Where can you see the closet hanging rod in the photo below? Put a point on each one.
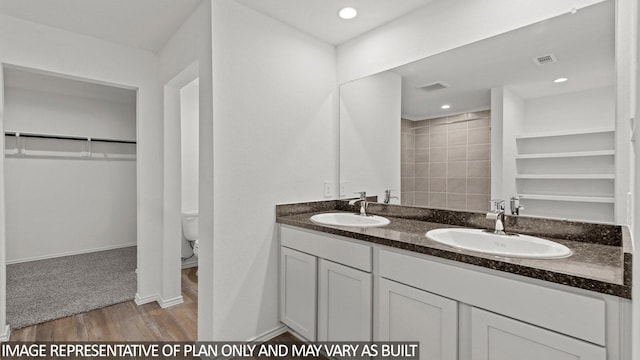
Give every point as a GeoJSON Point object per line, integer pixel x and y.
{"type": "Point", "coordinates": [65, 137]}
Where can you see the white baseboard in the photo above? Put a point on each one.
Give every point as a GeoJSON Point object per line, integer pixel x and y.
{"type": "Point", "coordinates": [141, 300]}
{"type": "Point", "coordinates": [69, 253]}
{"type": "Point", "coordinates": [171, 302]}
{"type": "Point", "coordinates": [279, 330]}
{"type": "Point", "coordinates": [297, 336]}
{"type": "Point", "coordinates": [4, 337]}
{"type": "Point", "coordinates": [190, 263]}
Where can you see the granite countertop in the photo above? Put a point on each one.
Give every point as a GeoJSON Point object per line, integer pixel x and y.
{"type": "Point", "coordinates": [601, 259]}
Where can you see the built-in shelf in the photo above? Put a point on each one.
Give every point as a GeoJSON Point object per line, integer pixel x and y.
{"type": "Point", "coordinates": [563, 133]}
{"type": "Point", "coordinates": [566, 176]}
{"type": "Point", "coordinates": [567, 173]}
{"type": "Point", "coordinates": [567, 154]}
{"type": "Point", "coordinates": [590, 199]}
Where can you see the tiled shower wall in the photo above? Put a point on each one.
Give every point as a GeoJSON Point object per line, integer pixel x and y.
{"type": "Point", "coordinates": [446, 162]}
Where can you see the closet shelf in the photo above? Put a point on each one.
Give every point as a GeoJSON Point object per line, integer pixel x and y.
{"type": "Point", "coordinates": [563, 133]}
{"type": "Point", "coordinates": [65, 137]}
{"type": "Point", "coordinates": [567, 154]}
{"type": "Point", "coordinates": [566, 176]}
{"type": "Point", "coordinates": [587, 199]}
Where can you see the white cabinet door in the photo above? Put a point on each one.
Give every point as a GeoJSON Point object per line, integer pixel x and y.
{"type": "Point", "coordinates": [344, 309]}
{"type": "Point", "coordinates": [298, 284]}
{"type": "Point", "coordinates": [410, 314]}
{"type": "Point", "coordinates": [495, 337]}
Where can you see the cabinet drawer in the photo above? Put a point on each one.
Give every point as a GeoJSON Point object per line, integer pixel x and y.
{"type": "Point", "coordinates": [572, 314]}
{"type": "Point", "coordinates": [327, 247]}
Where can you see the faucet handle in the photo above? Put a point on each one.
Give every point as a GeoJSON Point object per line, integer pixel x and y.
{"type": "Point", "coordinates": [388, 197]}
{"type": "Point", "coordinates": [363, 194]}
{"type": "Point", "coordinates": [496, 205]}
{"type": "Point", "coordinates": [514, 203]}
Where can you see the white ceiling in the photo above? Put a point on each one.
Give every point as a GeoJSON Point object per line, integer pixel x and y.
{"type": "Point", "coordinates": [320, 17]}
{"type": "Point", "coordinates": [583, 43]}
{"type": "Point", "coordinates": [145, 24]}
{"type": "Point", "coordinates": [148, 24]}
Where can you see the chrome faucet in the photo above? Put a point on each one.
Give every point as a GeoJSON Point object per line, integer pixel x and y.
{"type": "Point", "coordinates": [363, 202]}
{"type": "Point", "coordinates": [497, 214]}
{"type": "Point", "coordinates": [515, 205]}
{"type": "Point", "coordinates": [388, 197]}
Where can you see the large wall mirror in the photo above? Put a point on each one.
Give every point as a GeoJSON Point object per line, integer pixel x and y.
{"type": "Point", "coordinates": [528, 113]}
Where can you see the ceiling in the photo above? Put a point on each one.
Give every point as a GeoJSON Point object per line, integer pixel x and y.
{"type": "Point", "coordinates": [320, 17]}
{"type": "Point", "coordinates": [146, 24]}
{"type": "Point", "coordinates": [583, 43]}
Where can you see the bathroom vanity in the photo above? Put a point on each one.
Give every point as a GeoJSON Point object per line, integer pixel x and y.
{"type": "Point", "coordinates": [392, 283]}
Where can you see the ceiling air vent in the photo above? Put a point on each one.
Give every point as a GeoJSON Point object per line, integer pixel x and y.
{"type": "Point", "coordinates": [545, 59]}
{"type": "Point", "coordinates": [434, 86]}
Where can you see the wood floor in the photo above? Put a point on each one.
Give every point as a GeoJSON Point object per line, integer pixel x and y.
{"type": "Point", "coordinates": [129, 322]}
{"type": "Point", "coordinates": [125, 322]}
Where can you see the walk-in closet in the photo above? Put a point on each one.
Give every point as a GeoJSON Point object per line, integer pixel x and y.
{"type": "Point", "coordinates": [70, 194]}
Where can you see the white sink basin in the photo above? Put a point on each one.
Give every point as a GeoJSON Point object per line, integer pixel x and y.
{"type": "Point", "coordinates": [349, 219]}
{"type": "Point", "coordinates": [522, 246]}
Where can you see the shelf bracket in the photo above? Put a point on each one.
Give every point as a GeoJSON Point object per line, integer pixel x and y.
{"type": "Point", "coordinates": [87, 147]}
{"type": "Point", "coordinates": [19, 146]}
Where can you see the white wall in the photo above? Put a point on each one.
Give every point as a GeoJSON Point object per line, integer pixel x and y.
{"type": "Point", "coordinates": [4, 328]}
{"type": "Point", "coordinates": [439, 26]}
{"type": "Point", "coordinates": [513, 116]}
{"type": "Point", "coordinates": [189, 121]}
{"type": "Point", "coordinates": [185, 57]}
{"type": "Point", "coordinates": [57, 113]}
{"type": "Point", "coordinates": [626, 45]}
{"type": "Point", "coordinates": [36, 46]}
{"type": "Point", "coordinates": [273, 98]}
{"type": "Point", "coordinates": [370, 112]}
{"type": "Point", "coordinates": [497, 116]}
{"type": "Point", "coordinates": [507, 118]}
{"type": "Point", "coordinates": [635, 202]}
{"type": "Point", "coordinates": [79, 206]}
{"type": "Point", "coordinates": [589, 109]}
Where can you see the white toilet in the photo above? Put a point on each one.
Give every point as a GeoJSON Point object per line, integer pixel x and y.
{"type": "Point", "coordinates": [190, 229]}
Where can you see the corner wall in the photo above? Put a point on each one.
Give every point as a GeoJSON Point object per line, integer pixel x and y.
{"type": "Point", "coordinates": [186, 56]}
{"type": "Point", "coordinates": [273, 102]}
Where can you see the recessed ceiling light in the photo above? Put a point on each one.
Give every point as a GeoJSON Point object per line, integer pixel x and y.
{"type": "Point", "coordinates": [445, 107]}
{"type": "Point", "coordinates": [347, 13]}
{"type": "Point", "coordinates": [560, 80]}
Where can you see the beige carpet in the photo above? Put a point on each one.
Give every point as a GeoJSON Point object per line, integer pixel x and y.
{"type": "Point", "coordinates": [44, 290]}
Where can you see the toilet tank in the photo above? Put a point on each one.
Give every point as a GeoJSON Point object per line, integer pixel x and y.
{"type": "Point", "coordinates": [190, 225]}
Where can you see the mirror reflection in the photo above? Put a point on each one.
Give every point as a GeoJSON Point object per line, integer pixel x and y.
{"type": "Point", "coordinates": [528, 113]}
